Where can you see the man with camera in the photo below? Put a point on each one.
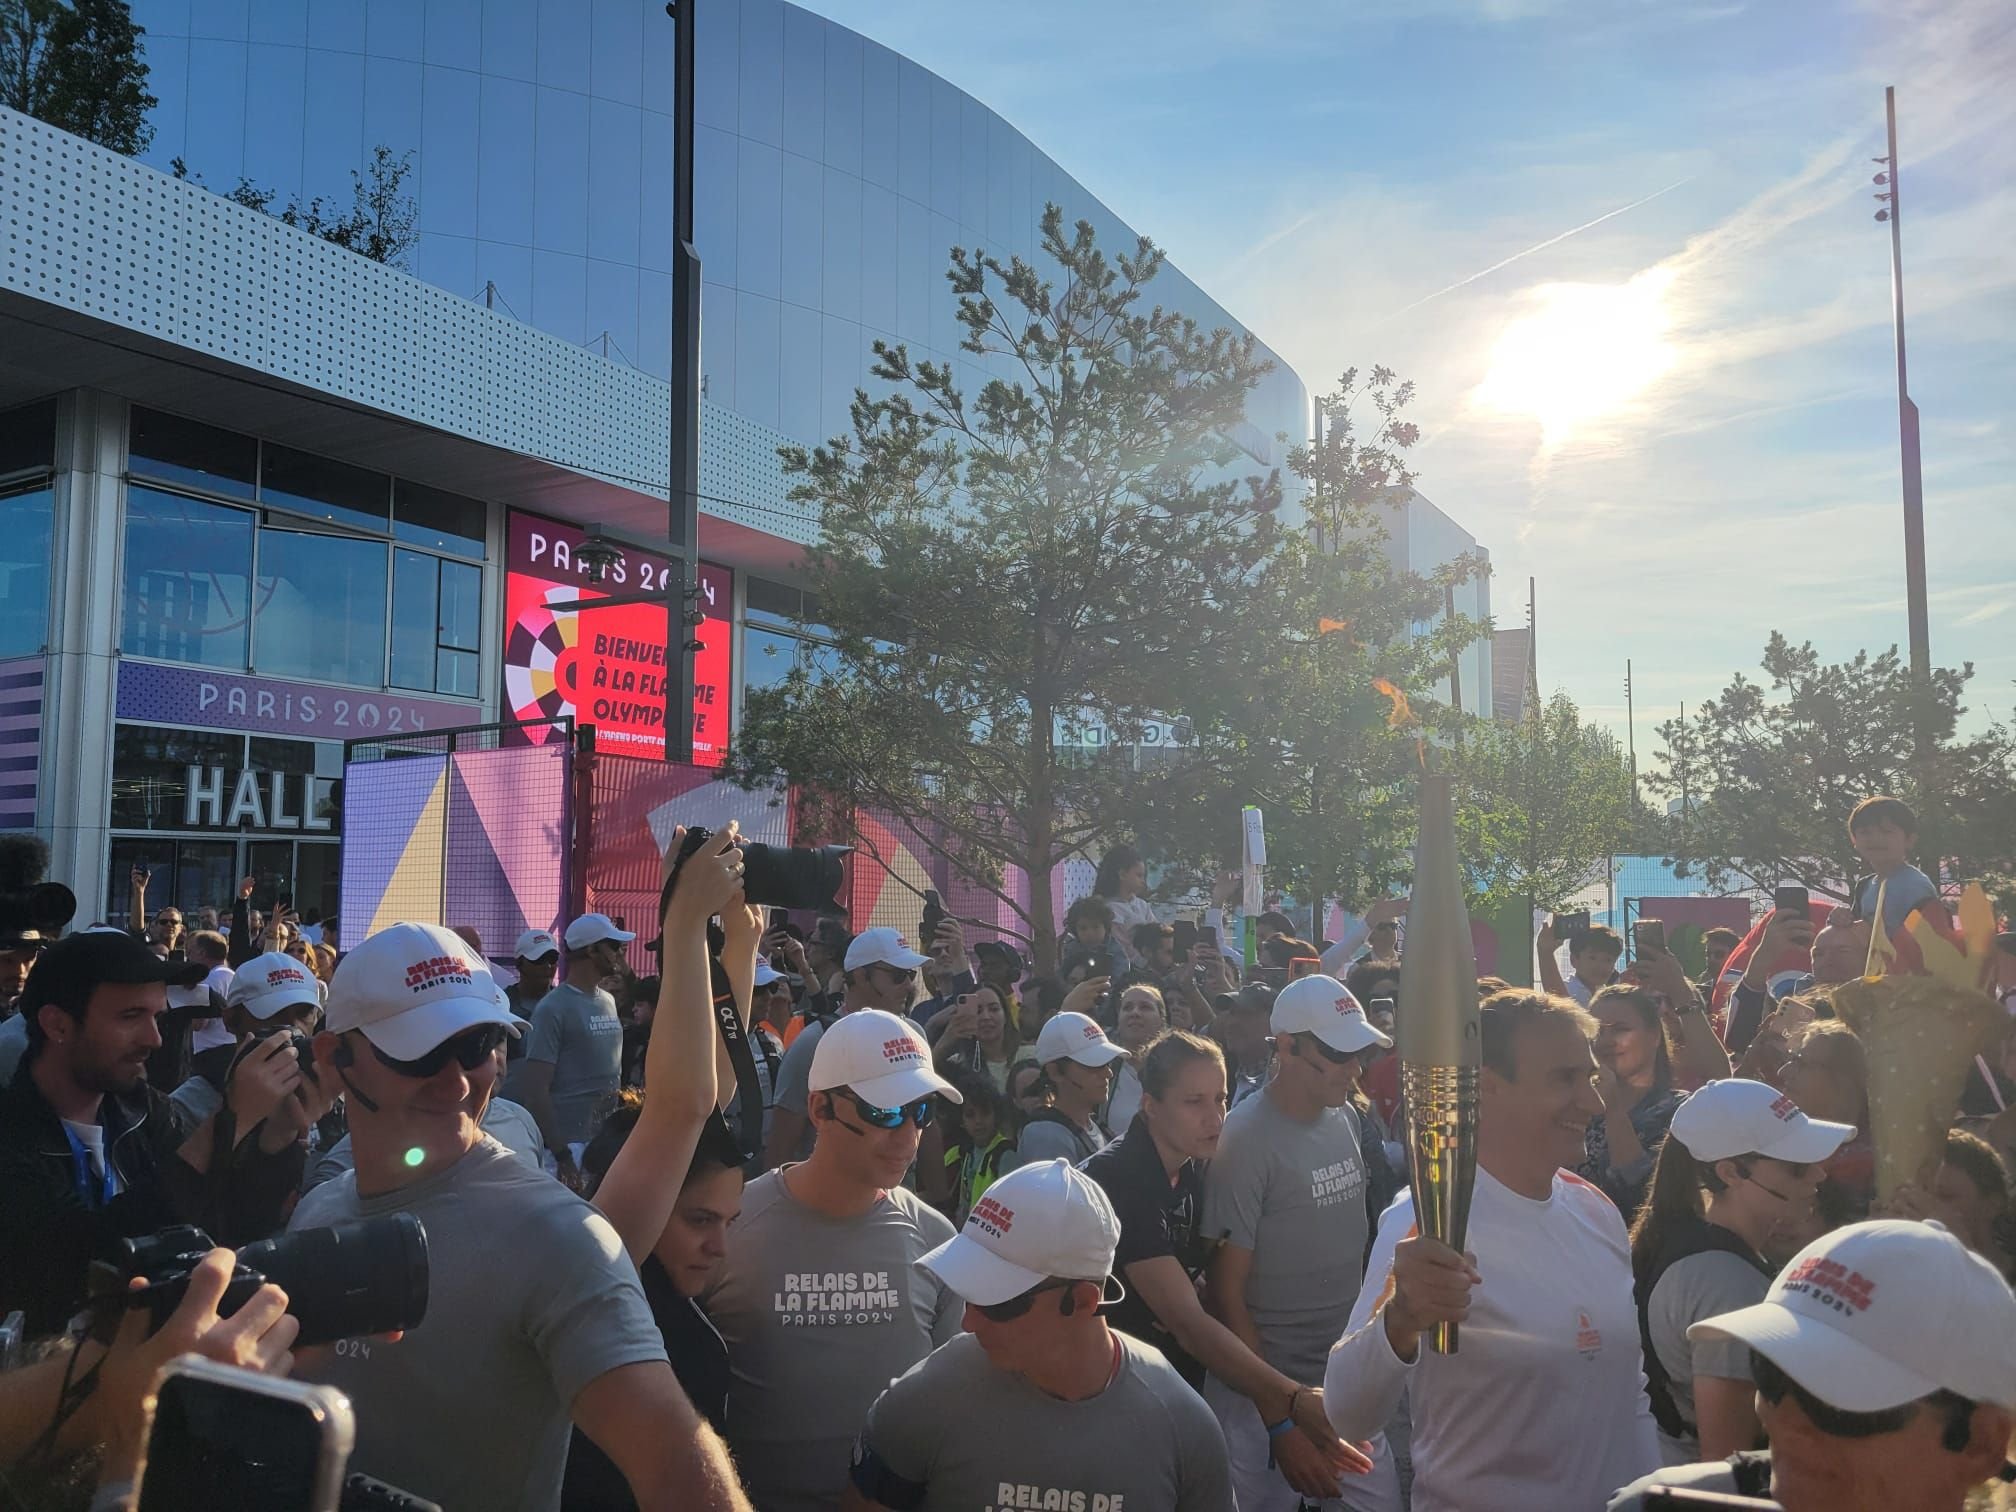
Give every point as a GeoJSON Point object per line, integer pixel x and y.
{"type": "Point", "coordinates": [881, 970]}
{"type": "Point", "coordinates": [91, 1154]}
{"type": "Point", "coordinates": [820, 1301]}
{"type": "Point", "coordinates": [535, 1315]}
{"type": "Point", "coordinates": [271, 994]}
{"type": "Point", "coordinates": [1040, 1403]}
{"type": "Point", "coordinates": [574, 1055]}
{"type": "Point", "coordinates": [1593, 953]}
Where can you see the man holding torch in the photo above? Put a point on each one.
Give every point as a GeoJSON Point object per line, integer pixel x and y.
{"type": "Point", "coordinates": [1537, 1403]}
{"type": "Point", "coordinates": [1542, 1408]}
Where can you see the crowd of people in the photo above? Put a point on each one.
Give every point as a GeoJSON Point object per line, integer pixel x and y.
{"type": "Point", "coordinates": [1136, 1234]}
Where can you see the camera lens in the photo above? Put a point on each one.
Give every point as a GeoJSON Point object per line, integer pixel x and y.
{"type": "Point", "coordinates": [366, 1277]}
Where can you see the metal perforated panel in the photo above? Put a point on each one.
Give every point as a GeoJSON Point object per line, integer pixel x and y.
{"type": "Point", "coordinates": [90, 231]}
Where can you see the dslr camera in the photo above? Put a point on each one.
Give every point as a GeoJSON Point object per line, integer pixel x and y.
{"type": "Point", "coordinates": [774, 876]}
{"type": "Point", "coordinates": [364, 1277]}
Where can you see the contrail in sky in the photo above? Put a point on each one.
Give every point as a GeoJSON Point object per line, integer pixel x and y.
{"type": "Point", "coordinates": [1539, 247]}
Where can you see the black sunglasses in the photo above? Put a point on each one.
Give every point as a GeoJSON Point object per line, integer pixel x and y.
{"type": "Point", "coordinates": [1015, 1307]}
{"type": "Point", "coordinates": [1774, 1385]}
{"type": "Point", "coordinates": [467, 1050]}
{"type": "Point", "coordinates": [1336, 1057]}
{"type": "Point", "coordinates": [919, 1113]}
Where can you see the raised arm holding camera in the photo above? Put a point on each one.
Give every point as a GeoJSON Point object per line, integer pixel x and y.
{"type": "Point", "coordinates": [535, 1315]}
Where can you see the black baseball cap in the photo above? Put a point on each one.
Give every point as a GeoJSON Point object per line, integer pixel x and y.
{"type": "Point", "coordinates": [68, 970]}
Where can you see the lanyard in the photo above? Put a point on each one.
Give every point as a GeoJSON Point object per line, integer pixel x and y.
{"type": "Point", "coordinates": [81, 1159]}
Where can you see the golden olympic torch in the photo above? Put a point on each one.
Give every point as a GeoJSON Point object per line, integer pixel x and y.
{"type": "Point", "coordinates": [1439, 1036]}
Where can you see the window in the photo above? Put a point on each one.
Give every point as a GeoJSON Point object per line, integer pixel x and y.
{"type": "Point", "coordinates": [25, 564]}
{"type": "Point", "coordinates": [28, 438]}
{"type": "Point", "coordinates": [186, 874]}
{"type": "Point", "coordinates": [324, 490]}
{"type": "Point", "coordinates": [321, 608]}
{"type": "Point", "coordinates": [436, 615]}
{"type": "Point", "coordinates": [181, 451]}
{"type": "Point", "coordinates": [436, 520]}
{"type": "Point", "coordinates": [777, 603]}
{"type": "Point", "coordinates": [188, 580]}
{"type": "Point", "coordinates": [150, 772]}
{"type": "Point", "coordinates": [768, 656]}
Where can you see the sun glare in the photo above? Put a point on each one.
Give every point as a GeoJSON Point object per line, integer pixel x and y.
{"type": "Point", "coordinates": [1583, 352]}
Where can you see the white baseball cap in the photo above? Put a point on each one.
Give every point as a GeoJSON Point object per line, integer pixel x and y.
{"type": "Point", "coordinates": [1324, 1007]}
{"type": "Point", "coordinates": [592, 929]}
{"type": "Point", "coordinates": [268, 983]}
{"type": "Point", "coordinates": [411, 986]}
{"type": "Point", "coordinates": [766, 974]}
{"type": "Point", "coordinates": [881, 1057]}
{"type": "Point", "coordinates": [882, 947]}
{"type": "Point", "coordinates": [1737, 1117]}
{"type": "Point", "coordinates": [1073, 1036]}
{"type": "Point", "coordinates": [1848, 1319]}
{"type": "Point", "coordinates": [1036, 1222]}
{"type": "Point", "coordinates": [536, 945]}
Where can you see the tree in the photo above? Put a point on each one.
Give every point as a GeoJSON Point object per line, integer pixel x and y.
{"type": "Point", "coordinates": [1768, 773]}
{"type": "Point", "coordinates": [381, 224]}
{"type": "Point", "coordinates": [1299, 723]}
{"type": "Point", "coordinates": [1068, 547]}
{"type": "Point", "coordinates": [79, 66]}
{"type": "Point", "coordinates": [1541, 805]}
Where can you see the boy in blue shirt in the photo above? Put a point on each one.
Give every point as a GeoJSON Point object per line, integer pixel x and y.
{"type": "Point", "coordinates": [1883, 831]}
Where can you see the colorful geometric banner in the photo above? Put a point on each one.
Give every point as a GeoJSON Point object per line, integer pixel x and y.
{"type": "Point", "coordinates": [20, 740]}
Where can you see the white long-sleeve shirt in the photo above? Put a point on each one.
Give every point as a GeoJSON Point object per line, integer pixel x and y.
{"type": "Point", "coordinates": [1542, 1408]}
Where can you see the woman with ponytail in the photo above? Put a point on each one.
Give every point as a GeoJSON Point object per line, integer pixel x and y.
{"type": "Point", "coordinates": [1740, 1158]}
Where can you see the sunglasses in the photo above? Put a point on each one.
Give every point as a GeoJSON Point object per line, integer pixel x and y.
{"type": "Point", "coordinates": [1015, 1307]}
{"type": "Point", "coordinates": [903, 976]}
{"type": "Point", "coordinates": [1774, 1385]}
{"type": "Point", "coordinates": [1336, 1057]}
{"type": "Point", "coordinates": [920, 1113]}
{"type": "Point", "coordinates": [468, 1051]}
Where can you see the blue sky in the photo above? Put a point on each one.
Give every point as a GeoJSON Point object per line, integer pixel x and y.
{"type": "Point", "coordinates": [1682, 421]}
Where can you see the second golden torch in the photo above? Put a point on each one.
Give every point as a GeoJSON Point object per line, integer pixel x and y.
{"type": "Point", "coordinates": [1439, 1036]}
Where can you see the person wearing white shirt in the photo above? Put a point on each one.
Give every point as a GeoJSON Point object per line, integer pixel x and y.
{"type": "Point", "coordinates": [1542, 1408]}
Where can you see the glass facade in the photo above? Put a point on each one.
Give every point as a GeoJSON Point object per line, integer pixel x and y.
{"type": "Point", "coordinates": [301, 580]}
{"type": "Point", "coordinates": [832, 175]}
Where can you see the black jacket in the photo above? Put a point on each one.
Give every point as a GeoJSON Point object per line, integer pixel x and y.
{"type": "Point", "coordinates": [50, 1229]}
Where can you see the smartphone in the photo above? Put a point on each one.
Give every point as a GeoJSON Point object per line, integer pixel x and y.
{"type": "Point", "coordinates": [779, 917]}
{"type": "Point", "coordinates": [1566, 924]}
{"type": "Point", "coordinates": [1649, 936]}
{"type": "Point", "coordinates": [934, 915]}
{"type": "Point", "coordinates": [1386, 1005]}
{"type": "Point", "coordinates": [224, 1437]}
{"type": "Point", "coordinates": [1209, 932]}
{"type": "Point", "coordinates": [144, 872]}
{"type": "Point", "coordinates": [1790, 899]}
{"type": "Point", "coordinates": [1185, 932]}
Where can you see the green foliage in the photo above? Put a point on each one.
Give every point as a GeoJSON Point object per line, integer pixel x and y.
{"type": "Point", "coordinates": [1541, 804]}
{"type": "Point", "coordinates": [1068, 547]}
{"type": "Point", "coordinates": [1075, 546]}
{"type": "Point", "coordinates": [1296, 723]}
{"type": "Point", "coordinates": [79, 66]}
{"type": "Point", "coordinates": [382, 222]}
{"type": "Point", "coordinates": [1771, 770]}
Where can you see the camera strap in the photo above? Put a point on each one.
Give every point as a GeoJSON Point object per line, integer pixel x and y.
{"type": "Point", "coordinates": [734, 1037]}
{"type": "Point", "coordinates": [80, 1160]}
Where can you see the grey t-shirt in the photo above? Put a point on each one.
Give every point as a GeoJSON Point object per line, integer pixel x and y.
{"type": "Point", "coordinates": [579, 1034]}
{"type": "Point", "coordinates": [504, 1121]}
{"type": "Point", "coordinates": [1046, 1139]}
{"type": "Point", "coordinates": [820, 1314]}
{"type": "Point", "coordinates": [974, 1437]}
{"type": "Point", "coordinates": [1294, 1194]}
{"type": "Point", "coordinates": [529, 1298]}
{"type": "Point", "coordinates": [1700, 1286]}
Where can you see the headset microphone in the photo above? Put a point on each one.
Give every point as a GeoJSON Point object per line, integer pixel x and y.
{"type": "Point", "coordinates": [346, 1057]}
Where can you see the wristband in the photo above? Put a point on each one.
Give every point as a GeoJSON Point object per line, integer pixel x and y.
{"type": "Point", "coordinates": [1275, 1430]}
